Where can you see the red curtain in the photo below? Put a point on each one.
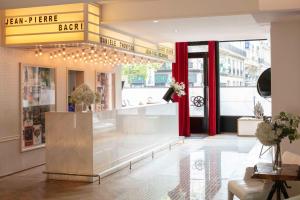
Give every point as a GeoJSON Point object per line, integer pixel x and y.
{"type": "Point", "coordinates": [212, 84]}
{"type": "Point", "coordinates": [180, 73]}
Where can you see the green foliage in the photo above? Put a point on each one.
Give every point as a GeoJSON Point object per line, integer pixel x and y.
{"type": "Point", "coordinates": [133, 71]}
{"type": "Point", "coordinates": [83, 95]}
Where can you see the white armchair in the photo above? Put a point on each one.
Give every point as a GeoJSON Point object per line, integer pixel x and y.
{"type": "Point", "coordinates": [248, 188]}
{"type": "Point", "coordinates": [294, 198]}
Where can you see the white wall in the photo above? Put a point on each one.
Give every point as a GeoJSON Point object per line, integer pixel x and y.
{"type": "Point", "coordinates": [11, 159]}
{"type": "Point", "coordinates": [285, 55]}
{"type": "Point", "coordinates": [272, 5]}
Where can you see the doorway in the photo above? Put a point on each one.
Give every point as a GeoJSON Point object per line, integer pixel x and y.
{"type": "Point", "coordinates": [198, 86]}
{"type": "Point", "coordinates": [75, 78]}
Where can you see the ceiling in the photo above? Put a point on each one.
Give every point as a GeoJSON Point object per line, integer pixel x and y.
{"type": "Point", "coordinates": [4, 4]}
{"type": "Point", "coordinates": [238, 27]}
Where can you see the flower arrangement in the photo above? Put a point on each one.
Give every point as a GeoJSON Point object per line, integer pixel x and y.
{"type": "Point", "coordinates": [175, 87]}
{"type": "Point", "coordinates": [83, 95]}
{"type": "Point", "coordinates": [258, 110]}
{"type": "Point", "coordinates": [178, 87]}
{"type": "Point", "coordinates": [273, 131]}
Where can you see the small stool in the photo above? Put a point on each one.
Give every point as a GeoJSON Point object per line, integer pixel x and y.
{"type": "Point", "coordinates": [248, 188]}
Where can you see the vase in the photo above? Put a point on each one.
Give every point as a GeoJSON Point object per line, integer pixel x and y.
{"type": "Point", "coordinates": [89, 108]}
{"type": "Point", "coordinates": [277, 159]}
{"type": "Point", "coordinates": [79, 107]}
{"type": "Point", "coordinates": [168, 96]}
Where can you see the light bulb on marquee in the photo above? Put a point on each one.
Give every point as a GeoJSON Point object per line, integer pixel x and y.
{"type": "Point", "coordinates": [92, 50]}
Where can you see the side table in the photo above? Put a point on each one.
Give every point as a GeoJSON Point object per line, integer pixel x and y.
{"type": "Point", "coordinates": [288, 172]}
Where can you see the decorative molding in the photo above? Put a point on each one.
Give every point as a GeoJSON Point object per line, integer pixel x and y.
{"type": "Point", "coordinates": [9, 138]}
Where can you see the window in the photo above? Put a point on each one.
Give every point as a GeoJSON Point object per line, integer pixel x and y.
{"type": "Point", "coordinates": [196, 85]}
{"type": "Point", "coordinates": [238, 92]}
{"type": "Point", "coordinates": [197, 48]}
{"type": "Point", "coordinates": [145, 83]}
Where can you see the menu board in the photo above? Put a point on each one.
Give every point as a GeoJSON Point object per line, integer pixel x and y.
{"type": "Point", "coordinates": [38, 96]}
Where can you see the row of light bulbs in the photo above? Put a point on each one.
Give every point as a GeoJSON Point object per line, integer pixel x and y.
{"type": "Point", "coordinates": [95, 55]}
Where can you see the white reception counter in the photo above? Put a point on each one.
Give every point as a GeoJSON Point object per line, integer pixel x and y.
{"type": "Point", "coordinates": [101, 142]}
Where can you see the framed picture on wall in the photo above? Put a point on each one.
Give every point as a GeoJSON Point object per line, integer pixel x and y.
{"type": "Point", "coordinates": [105, 87]}
{"type": "Point", "coordinates": [37, 96]}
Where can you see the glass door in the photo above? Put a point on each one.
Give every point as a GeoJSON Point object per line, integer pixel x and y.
{"type": "Point", "coordinates": [198, 89]}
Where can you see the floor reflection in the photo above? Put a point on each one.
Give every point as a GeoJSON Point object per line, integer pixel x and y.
{"type": "Point", "coordinates": [201, 172]}
{"type": "Point", "coordinates": [182, 190]}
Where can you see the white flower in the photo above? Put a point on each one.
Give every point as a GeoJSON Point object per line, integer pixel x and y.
{"type": "Point", "coordinates": [178, 87]}
{"type": "Point", "coordinates": [83, 94]}
{"type": "Point", "coordinates": [282, 125]}
{"type": "Point", "coordinates": [265, 134]}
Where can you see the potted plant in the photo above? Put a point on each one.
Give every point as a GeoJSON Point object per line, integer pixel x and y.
{"type": "Point", "coordinates": [271, 132]}
{"type": "Point", "coordinates": [175, 87]}
{"type": "Point", "coordinates": [258, 111]}
{"type": "Point", "coordinates": [83, 97]}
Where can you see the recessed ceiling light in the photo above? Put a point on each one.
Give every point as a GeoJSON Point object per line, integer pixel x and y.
{"type": "Point", "coordinates": [155, 21]}
{"type": "Point", "coordinates": [176, 31]}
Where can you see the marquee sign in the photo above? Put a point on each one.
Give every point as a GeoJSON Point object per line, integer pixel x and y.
{"type": "Point", "coordinates": [77, 22]}
{"type": "Point", "coordinates": [124, 42]}
{"type": "Point", "coordinates": [47, 24]}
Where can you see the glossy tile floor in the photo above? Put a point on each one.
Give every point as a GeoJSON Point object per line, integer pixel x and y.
{"type": "Point", "coordinates": [198, 169]}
